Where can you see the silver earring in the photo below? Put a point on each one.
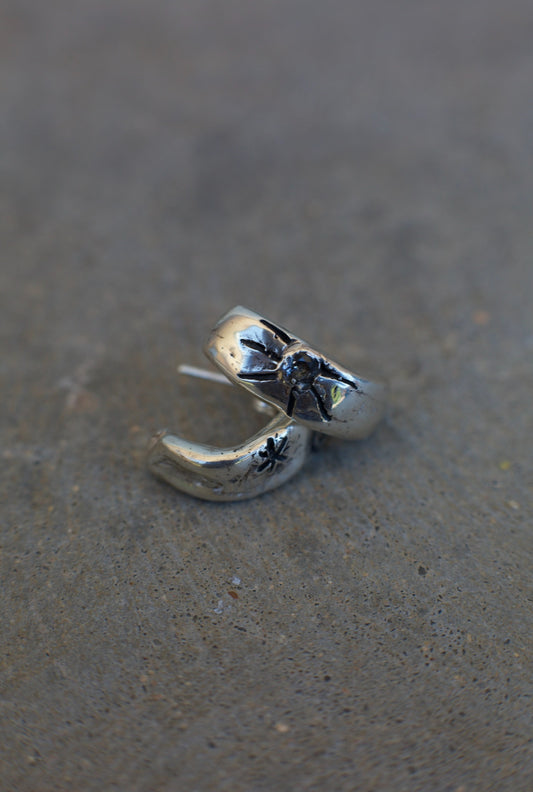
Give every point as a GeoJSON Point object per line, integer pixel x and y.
{"type": "Point", "coordinates": [269, 458]}
{"type": "Point", "coordinates": [310, 393]}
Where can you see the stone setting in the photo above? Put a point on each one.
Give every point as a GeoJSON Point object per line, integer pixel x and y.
{"type": "Point", "coordinates": [300, 369]}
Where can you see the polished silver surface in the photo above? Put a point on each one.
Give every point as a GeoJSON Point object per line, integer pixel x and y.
{"type": "Point", "coordinates": [265, 461]}
{"type": "Point", "coordinates": [284, 371]}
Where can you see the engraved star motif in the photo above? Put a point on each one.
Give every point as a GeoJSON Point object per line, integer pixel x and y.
{"type": "Point", "coordinates": [297, 368]}
{"type": "Point", "coordinates": [273, 454]}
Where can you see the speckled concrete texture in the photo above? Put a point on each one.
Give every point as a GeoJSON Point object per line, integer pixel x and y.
{"type": "Point", "coordinates": [363, 173]}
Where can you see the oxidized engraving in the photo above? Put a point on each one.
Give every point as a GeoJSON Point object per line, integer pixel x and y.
{"type": "Point", "coordinates": [273, 454]}
{"type": "Point", "coordinates": [297, 368]}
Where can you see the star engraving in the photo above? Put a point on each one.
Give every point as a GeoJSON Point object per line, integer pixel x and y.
{"type": "Point", "coordinates": [273, 454]}
{"type": "Point", "coordinates": [294, 366]}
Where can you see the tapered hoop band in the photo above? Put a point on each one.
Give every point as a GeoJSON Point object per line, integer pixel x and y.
{"type": "Point", "coordinates": [269, 458]}
{"type": "Point", "coordinates": [280, 368]}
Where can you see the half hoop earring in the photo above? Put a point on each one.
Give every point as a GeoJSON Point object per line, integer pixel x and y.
{"type": "Point", "coordinates": [310, 392]}
{"type": "Point", "coordinates": [265, 461]}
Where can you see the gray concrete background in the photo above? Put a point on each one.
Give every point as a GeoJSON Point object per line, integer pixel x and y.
{"type": "Point", "coordinates": [362, 172]}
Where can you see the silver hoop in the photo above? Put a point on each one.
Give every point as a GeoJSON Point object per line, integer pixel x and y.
{"type": "Point", "coordinates": [265, 461]}
{"type": "Point", "coordinates": [280, 368]}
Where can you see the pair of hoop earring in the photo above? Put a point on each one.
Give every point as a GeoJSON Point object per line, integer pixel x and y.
{"type": "Point", "coordinates": [310, 393]}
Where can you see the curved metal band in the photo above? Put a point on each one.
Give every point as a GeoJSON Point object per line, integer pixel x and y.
{"type": "Point", "coordinates": [284, 371]}
{"type": "Point", "coordinates": [269, 458]}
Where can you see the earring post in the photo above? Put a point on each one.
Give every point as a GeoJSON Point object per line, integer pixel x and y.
{"type": "Point", "coordinates": [200, 373]}
{"type": "Point", "coordinates": [212, 376]}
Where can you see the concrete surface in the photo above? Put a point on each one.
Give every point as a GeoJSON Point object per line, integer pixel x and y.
{"type": "Point", "coordinates": [362, 172]}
